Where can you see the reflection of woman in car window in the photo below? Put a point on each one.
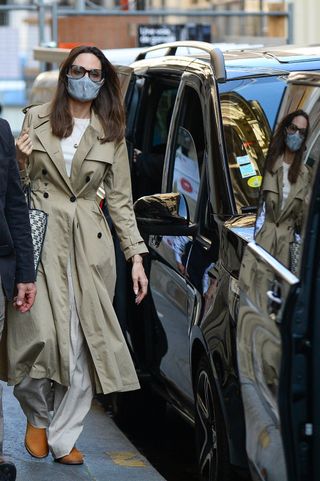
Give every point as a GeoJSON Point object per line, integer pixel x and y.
{"type": "Point", "coordinates": [285, 186]}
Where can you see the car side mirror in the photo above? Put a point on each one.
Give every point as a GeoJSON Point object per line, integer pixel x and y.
{"type": "Point", "coordinates": [164, 214]}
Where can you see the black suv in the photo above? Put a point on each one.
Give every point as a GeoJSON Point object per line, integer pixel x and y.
{"type": "Point", "coordinates": [199, 125]}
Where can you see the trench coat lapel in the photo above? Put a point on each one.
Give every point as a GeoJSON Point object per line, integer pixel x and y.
{"type": "Point", "coordinates": [91, 135]}
{"type": "Point", "coordinates": [296, 191]}
{"type": "Point", "coordinates": [51, 144]}
{"type": "Point", "coordinates": [273, 183]}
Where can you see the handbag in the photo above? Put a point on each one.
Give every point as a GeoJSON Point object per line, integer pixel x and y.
{"type": "Point", "coordinates": [38, 222]}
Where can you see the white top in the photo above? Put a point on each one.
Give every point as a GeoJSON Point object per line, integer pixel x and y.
{"type": "Point", "coordinates": [69, 145]}
{"type": "Point", "coordinates": [286, 184]}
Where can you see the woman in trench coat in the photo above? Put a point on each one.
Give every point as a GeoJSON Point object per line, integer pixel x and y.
{"type": "Point", "coordinates": [285, 187]}
{"type": "Point", "coordinates": [71, 344]}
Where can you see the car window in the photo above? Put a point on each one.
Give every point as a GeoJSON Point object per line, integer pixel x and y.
{"type": "Point", "coordinates": [188, 150]}
{"type": "Point", "coordinates": [149, 114]}
{"type": "Point", "coordinates": [162, 117]}
{"type": "Point", "coordinates": [290, 167]}
{"type": "Point", "coordinates": [132, 103]}
{"type": "Point", "coordinates": [248, 117]}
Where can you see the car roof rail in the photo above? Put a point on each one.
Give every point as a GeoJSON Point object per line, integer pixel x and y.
{"type": "Point", "coordinates": [216, 55]}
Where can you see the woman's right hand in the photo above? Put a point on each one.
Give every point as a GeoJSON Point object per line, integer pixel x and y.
{"type": "Point", "coordinates": [24, 148]}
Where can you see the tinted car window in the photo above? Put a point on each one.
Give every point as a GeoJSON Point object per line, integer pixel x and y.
{"type": "Point", "coordinates": [248, 117]}
{"type": "Point", "coordinates": [188, 150]}
{"type": "Point", "coordinates": [186, 172]}
{"type": "Point", "coordinates": [147, 129]}
{"type": "Point", "coordinates": [163, 116]}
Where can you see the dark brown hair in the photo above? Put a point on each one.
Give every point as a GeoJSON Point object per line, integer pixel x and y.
{"type": "Point", "coordinates": [278, 146]}
{"type": "Point", "coordinates": [107, 106]}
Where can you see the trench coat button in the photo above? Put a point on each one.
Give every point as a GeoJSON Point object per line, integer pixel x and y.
{"type": "Point", "coordinates": [46, 195]}
{"type": "Point", "coordinates": [99, 235]}
{"type": "Point", "coordinates": [44, 171]}
{"type": "Point", "coordinates": [87, 179]}
{"type": "Point", "coordinates": [73, 198]}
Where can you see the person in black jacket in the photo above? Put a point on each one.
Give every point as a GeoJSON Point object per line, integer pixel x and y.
{"type": "Point", "coordinates": [17, 274]}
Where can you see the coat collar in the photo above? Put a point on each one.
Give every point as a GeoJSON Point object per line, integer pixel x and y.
{"type": "Point", "coordinates": [277, 165]}
{"type": "Point", "coordinates": [273, 182]}
{"type": "Point", "coordinates": [51, 143]}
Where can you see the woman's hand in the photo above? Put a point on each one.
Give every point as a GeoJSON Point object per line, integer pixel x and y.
{"type": "Point", "coordinates": [139, 278]}
{"type": "Point", "coordinates": [24, 148]}
{"type": "Point", "coordinates": [26, 293]}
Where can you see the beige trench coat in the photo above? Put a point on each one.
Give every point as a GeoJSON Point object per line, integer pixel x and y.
{"type": "Point", "coordinates": [280, 225]}
{"type": "Point", "coordinates": [38, 342]}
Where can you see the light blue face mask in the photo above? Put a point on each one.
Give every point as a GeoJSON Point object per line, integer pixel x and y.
{"type": "Point", "coordinates": [83, 89]}
{"type": "Point", "coordinates": [294, 141]}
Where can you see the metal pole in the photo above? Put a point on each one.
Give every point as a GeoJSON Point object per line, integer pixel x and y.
{"type": "Point", "coordinates": [261, 18]}
{"type": "Point", "coordinates": [54, 20]}
{"type": "Point", "coordinates": [41, 20]}
{"type": "Point", "coordinates": [290, 23]}
{"type": "Point", "coordinates": [175, 12]}
{"type": "Point", "coordinates": [81, 5]}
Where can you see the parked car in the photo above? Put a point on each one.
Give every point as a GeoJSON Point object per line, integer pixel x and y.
{"type": "Point", "coordinates": [278, 326]}
{"type": "Point", "coordinates": [198, 130]}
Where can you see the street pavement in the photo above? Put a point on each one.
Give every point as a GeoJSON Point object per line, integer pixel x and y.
{"type": "Point", "coordinates": [109, 455]}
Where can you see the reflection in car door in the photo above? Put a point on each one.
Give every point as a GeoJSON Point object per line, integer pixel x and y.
{"type": "Point", "coordinates": [273, 334]}
{"type": "Point", "coordinates": [265, 287]}
{"type": "Point", "coordinates": [169, 276]}
{"type": "Point", "coordinates": [177, 277]}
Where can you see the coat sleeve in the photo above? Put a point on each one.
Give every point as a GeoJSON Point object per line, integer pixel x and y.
{"type": "Point", "coordinates": [117, 185]}
{"type": "Point", "coordinates": [17, 215]}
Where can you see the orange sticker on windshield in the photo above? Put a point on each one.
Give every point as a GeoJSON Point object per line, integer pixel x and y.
{"type": "Point", "coordinates": [255, 181]}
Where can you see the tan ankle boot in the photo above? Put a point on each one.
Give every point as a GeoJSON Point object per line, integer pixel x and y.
{"type": "Point", "coordinates": [36, 442]}
{"type": "Point", "coordinates": [74, 457]}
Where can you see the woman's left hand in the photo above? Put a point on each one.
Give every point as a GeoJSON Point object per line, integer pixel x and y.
{"type": "Point", "coordinates": [139, 278]}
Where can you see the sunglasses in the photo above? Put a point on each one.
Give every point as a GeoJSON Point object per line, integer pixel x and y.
{"type": "Point", "coordinates": [77, 72]}
{"type": "Point", "coordinates": [293, 128]}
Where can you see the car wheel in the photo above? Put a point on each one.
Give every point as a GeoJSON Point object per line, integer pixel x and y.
{"type": "Point", "coordinates": [211, 439]}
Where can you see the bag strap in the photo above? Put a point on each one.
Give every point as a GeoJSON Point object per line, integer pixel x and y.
{"type": "Point", "coordinates": [27, 193]}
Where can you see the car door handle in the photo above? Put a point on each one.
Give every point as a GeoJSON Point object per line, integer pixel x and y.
{"type": "Point", "coordinates": [274, 302]}
{"type": "Point", "coordinates": [274, 298]}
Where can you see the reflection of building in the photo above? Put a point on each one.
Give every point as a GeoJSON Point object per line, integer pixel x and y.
{"type": "Point", "coordinates": [306, 22]}
{"type": "Point", "coordinates": [247, 132]}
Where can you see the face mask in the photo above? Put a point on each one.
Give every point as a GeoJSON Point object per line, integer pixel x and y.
{"type": "Point", "coordinates": [294, 141]}
{"type": "Point", "coordinates": [83, 89]}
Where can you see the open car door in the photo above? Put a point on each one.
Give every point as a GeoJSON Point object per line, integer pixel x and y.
{"type": "Point", "coordinates": [278, 330]}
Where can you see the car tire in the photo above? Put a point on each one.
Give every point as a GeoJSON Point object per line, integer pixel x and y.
{"type": "Point", "coordinates": [210, 431]}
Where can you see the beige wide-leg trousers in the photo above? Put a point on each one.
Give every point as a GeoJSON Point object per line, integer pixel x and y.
{"type": "Point", "coordinates": [61, 409]}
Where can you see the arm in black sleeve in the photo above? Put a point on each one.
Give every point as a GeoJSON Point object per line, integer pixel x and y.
{"type": "Point", "coordinates": [17, 215]}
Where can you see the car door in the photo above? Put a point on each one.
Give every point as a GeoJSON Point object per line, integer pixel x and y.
{"type": "Point", "coordinates": [168, 275]}
{"type": "Point", "coordinates": [149, 102]}
{"type": "Point", "coordinates": [276, 324]}
{"type": "Point", "coordinates": [172, 287]}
